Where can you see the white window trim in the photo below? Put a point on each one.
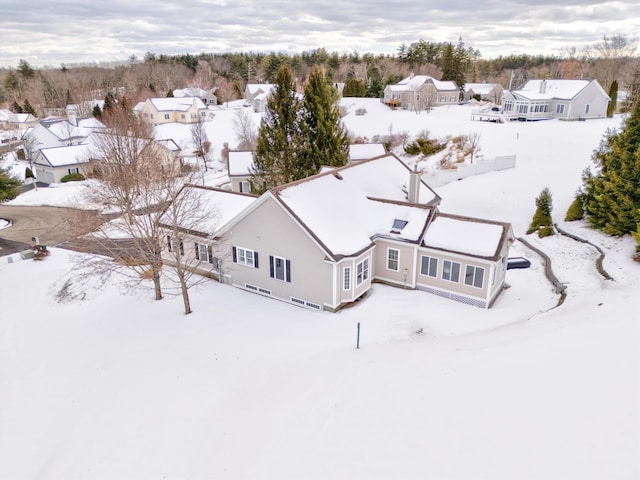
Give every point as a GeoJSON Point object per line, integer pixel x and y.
{"type": "Point", "coordinates": [397, 259]}
{"type": "Point", "coordinates": [346, 278]}
{"type": "Point", "coordinates": [473, 276]}
{"type": "Point", "coordinates": [431, 259]}
{"type": "Point", "coordinates": [362, 276]}
{"type": "Point", "coordinates": [241, 257]}
{"type": "Point", "coordinates": [452, 263]}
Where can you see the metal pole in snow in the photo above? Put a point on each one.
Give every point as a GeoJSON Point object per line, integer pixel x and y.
{"type": "Point", "coordinates": [358, 338]}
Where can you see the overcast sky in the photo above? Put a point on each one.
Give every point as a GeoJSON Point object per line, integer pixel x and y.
{"type": "Point", "coordinates": [53, 32]}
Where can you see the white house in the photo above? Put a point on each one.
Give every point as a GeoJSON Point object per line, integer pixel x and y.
{"type": "Point", "coordinates": [563, 99]}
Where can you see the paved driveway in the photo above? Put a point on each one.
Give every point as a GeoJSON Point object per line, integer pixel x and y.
{"type": "Point", "coordinates": [49, 224]}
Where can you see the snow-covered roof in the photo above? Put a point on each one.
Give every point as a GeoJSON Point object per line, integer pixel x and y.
{"type": "Point", "coordinates": [240, 163]}
{"type": "Point", "coordinates": [465, 235]}
{"type": "Point", "coordinates": [176, 104]}
{"type": "Point", "coordinates": [64, 130]}
{"type": "Point", "coordinates": [255, 87]}
{"type": "Point", "coordinates": [190, 92]}
{"type": "Point", "coordinates": [218, 206]}
{"type": "Point", "coordinates": [364, 151]}
{"type": "Point", "coordinates": [67, 155]}
{"type": "Point", "coordinates": [481, 88]}
{"type": "Point", "coordinates": [414, 82]}
{"type": "Point", "coordinates": [5, 114]}
{"type": "Point", "coordinates": [345, 208]}
{"type": "Point", "coordinates": [549, 89]}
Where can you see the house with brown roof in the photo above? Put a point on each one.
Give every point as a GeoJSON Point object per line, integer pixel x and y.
{"type": "Point", "coordinates": [421, 92]}
{"type": "Point", "coordinates": [321, 242]}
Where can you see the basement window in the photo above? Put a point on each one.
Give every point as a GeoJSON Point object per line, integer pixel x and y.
{"type": "Point", "coordinates": [398, 225]}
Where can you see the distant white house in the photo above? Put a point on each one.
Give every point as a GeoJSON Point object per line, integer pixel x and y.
{"type": "Point", "coordinates": [239, 165]}
{"type": "Point", "coordinates": [489, 92]}
{"type": "Point", "coordinates": [257, 94]}
{"type": "Point", "coordinates": [53, 163]}
{"type": "Point", "coordinates": [556, 98]}
{"type": "Point", "coordinates": [208, 97]}
{"type": "Point", "coordinates": [421, 92]}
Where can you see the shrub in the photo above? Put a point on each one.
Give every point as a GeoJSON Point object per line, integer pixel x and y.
{"type": "Point", "coordinates": [72, 177]}
{"type": "Point", "coordinates": [28, 173]}
{"type": "Point", "coordinates": [576, 209]}
{"type": "Point", "coordinates": [541, 221]}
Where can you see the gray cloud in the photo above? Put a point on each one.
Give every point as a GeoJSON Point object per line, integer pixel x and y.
{"type": "Point", "coordinates": [69, 31]}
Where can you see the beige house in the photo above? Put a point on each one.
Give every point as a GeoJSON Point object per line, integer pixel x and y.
{"type": "Point", "coordinates": [321, 242]}
{"type": "Point", "coordinates": [488, 92]}
{"type": "Point", "coordinates": [421, 92]}
{"type": "Point", "coordinates": [172, 110]}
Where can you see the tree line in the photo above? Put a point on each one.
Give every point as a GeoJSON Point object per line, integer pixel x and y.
{"type": "Point", "coordinates": [46, 90]}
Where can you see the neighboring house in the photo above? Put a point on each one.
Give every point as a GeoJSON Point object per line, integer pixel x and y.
{"type": "Point", "coordinates": [488, 92]}
{"type": "Point", "coordinates": [53, 163]}
{"type": "Point", "coordinates": [257, 94]}
{"type": "Point", "coordinates": [207, 96]}
{"type": "Point", "coordinates": [172, 110]}
{"type": "Point", "coordinates": [199, 246]}
{"type": "Point", "coordinates": [239, 166]}
{"type": "Point", "coordinates": [75, 111]}
{"type": "Point", "coordinates": [18, 121]}
{"type": "Point", "coordinates": [365, 151]}
{"type": "Point", "coordinates": [421, 92]}
{"type": "Point", "coordinates": [563, 99]}
{"type": "Point", "coordinates": [321, 242]}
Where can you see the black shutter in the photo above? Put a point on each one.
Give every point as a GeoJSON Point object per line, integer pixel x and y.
{"type": "Point", "coordinates": [288, 271]}
{"type": "Point", "coordinates": [209, 254]}
{"type": "Point", "coordinates": [255, 259]}
{"type": "Point", "coordinates": [271, 266]}
{"type": "Point", "coordinates": [169, 242]}
{"type": "Point", "coordinates": [235, 259]}
{"type": "Point", "coordinates": [197, 252]}
{"type": "Point", "coordinates": [181, 248]}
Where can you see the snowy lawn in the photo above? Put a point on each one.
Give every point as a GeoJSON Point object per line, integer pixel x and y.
{"type": "Point", "coordinates": [106, 385]}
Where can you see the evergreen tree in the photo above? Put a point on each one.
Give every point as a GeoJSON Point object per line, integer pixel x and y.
{"type": "Point", "coordinates": [96, 112]}
{"type": "Point", "coordinates": [16, 108]}
{"type": "Point", "coordinates": [541, 221]}
{"type": "Point", "coordinates": [170, 93]}
{"type": "Point", "coordinates": [613, 95]}
{"type": "Point", "coordinates": [612, 194]}
{"type": "Point", "coordinates": [324, 140]}
{"type": "Point", "coordinates": [354, 88]}
{"type": "Point", "coordinates": [576, 209]}
{"type": "Point", "coordinates": [27, 108]}
{"type": "Point", "coordinates": [109, 103]}
{"type": "Point", "coordinates": [279, 137]}
{"type": "Point", "coordinates": [8, 186]}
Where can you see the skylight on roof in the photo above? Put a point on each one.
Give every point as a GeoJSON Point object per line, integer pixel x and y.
{"type": "Point", "coordinates": [398, 225]}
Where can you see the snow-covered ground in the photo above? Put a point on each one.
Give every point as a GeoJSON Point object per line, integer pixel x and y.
{"type": "Point", "coordinates": [99, 384]}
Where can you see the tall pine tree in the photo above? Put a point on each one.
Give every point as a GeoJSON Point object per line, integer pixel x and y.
{"type": "Point", "coordinates": [279, 137]}
{"type": "Point", "coordinates": [324, 141]}
{"type": "Point", "coordinates": [613, 95]}
{"type": "Point", "coordinates": [612, 193]}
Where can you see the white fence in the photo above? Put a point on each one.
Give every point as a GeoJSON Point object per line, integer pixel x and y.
{"type": "Point", "coordinates": [479, 167]}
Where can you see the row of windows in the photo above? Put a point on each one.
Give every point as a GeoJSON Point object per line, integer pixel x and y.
{"type": "Point", "coordinates": [474, 276]}
{"type": "Point", "coordinates": [279, 268]}
{"type": "Point", "coordinates": [539, 107]}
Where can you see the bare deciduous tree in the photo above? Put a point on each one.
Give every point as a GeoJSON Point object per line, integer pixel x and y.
{"type": "Point", "coordinates": [471, 144]}
{"type": "Point", "coordinates": [245, 129]}
{"type": "Point", "coordinates": [200, 140]}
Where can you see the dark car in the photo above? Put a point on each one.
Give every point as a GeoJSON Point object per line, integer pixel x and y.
{"type": "Point", "coordinates": [518, 262]}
